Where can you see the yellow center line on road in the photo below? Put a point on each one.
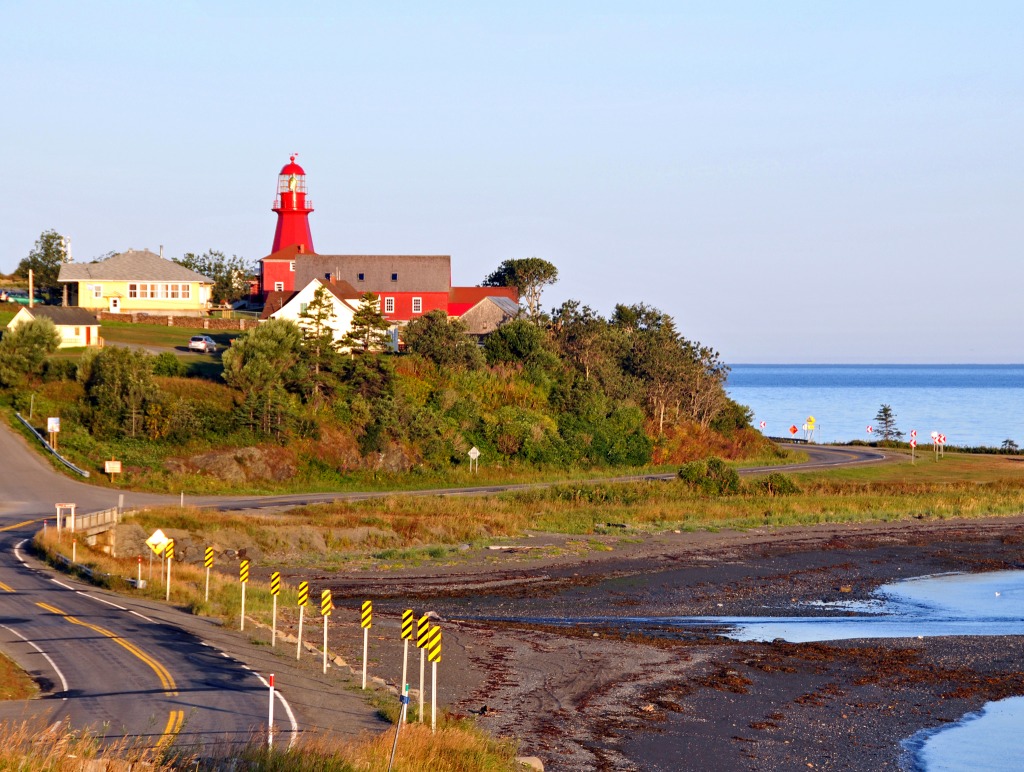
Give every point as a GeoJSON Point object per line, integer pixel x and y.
{"type": "Point", "coordinates": [18, 525]}
{"type": "Point", "coordinates": [161, 672]}
{"type": "Point", "coordinates": [6, 587]}
{"type": "Point", "coordinates": [174, 722]}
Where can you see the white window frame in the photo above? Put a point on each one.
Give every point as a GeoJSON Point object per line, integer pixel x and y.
{"type": "Point", "coordinates": [389, 305]}
{"type": "Point", "coordinates": [278, 286]}
{"type": "Point", "coordinates": [97, 291]}
{"type": "Point", "coordinates": [291, 266]}
{"type": "Point", "coordinates": [417, 305]}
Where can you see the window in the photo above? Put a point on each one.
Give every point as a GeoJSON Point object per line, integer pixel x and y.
{"type": "Point", "coordinates": [291, 266]}
{"type": "Point", "coordinates": [78, 332]}
{"type": "Point", "coordinates": [417, 305]}
{"type": "Point", "coordinates": [389, 305]}
{"type": "Point", "coordinates": [278, 286]}
{"type": "Point", "coordinates": [186, 291]}
{"type": "Point", "coordinates": [327, 277]}
{"type": "Point", "coordinates": [97, 291]}
{"type": "Point", "coordinates": [133, 291]}
{"type": "Point", "coordinates": [362, 276]}
{"type": "Point", "coordinates": [303, 307]}
{"type": "Point", "coordinates": [394, 277]}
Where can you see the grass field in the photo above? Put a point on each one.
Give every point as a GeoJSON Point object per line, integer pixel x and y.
{"type": "Point", "coordinates": [161, 335]}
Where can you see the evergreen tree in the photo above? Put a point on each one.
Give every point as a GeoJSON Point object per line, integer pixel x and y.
{"type": "Point", "coordinates": [319, 347]}
{"type": "Point", "coordinates": [442, 341]}
{"type": "Point", "coordinates": [885, 425]}
{"type": "Point", "coordinates": [369, 331]}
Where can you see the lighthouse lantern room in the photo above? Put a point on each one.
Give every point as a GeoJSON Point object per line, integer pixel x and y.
{"type": "Point", "coordinates": [292, 207]}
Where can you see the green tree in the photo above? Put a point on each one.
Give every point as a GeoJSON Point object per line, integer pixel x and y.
{"type": "Point", "coordinates": [442, 341]}
{"type": "Point", "coordinates": [24, 349]}
{"type": "Point", "coordinates": [230, 275]}
{"type": "Point", "coordinates": [529, 275]}
{"type": "Point", "coordinates": [319, 347]}
{"type": "Point", "coordinates": [45, 259]}
{"type": "Point", "coordinates": [885, 425]}
{"type": "Point", "coordinates": [369, 330]}
{"type": "Point", "coordinates": [120, 383]}
{"type": "Point", "coordinates": [264, 364]}
{"type": "Point", "coordinates": [1009, 446]}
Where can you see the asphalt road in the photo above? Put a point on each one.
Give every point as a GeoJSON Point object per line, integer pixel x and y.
{"type": "Point", "coordinates": [130, 667]}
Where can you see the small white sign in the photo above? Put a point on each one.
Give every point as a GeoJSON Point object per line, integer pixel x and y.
{"type": "Point", "coordinates": [112, 467]}
{"type": "Point", "coordinates": [474, 453]}
{"type": "Point", "coordinates": [53, 425]}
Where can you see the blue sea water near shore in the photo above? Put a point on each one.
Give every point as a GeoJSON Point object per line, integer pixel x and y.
{"type": "Point", "coordinates": [972, 405]}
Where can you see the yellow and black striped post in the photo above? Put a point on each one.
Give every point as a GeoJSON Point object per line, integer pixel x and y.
{"type": "Point", "coordinates": [434, 655]}
{"type": "Point", "coordinates": [408, 624]}
{"type": "Point", "coordinates": [243, 577]}
{"type": "Point", "coordinates": [366, 622]}
{"type": "Point", "coordinates": [326, 604]}
{"type": "Point", "coordinates": [169, 554]}
{"type": "Point", "coordinates": [303, 602]}
{"type": "Point", "coordinates": [208, 563]}
{"type": "Point", "coordinates": [422, 628]}
{"type": "Point", "coordinates": [275, 590]}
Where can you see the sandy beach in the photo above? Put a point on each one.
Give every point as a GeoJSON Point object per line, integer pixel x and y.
{"type": "Point", "coordinates": [605, 696]}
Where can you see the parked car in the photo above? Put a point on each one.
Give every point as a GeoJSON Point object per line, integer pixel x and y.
{"type": "Point", "coordinates": [202, 343]}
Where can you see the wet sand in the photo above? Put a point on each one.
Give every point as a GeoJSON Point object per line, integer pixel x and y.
{"type": "Point", "coordinates": [608, 697]}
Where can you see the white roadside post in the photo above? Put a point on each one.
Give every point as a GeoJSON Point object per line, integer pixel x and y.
{"type": "Point", "coordinates": [407, 628]}
{"type": "Point", "coordinates": [275, 590]}
{"type": "Point", "coordinates": [270, 717]}
{"type": "Point", "coordinates": [326, 604]}
{"type": "Point", "coordinates": [303, 602]}
{"type": "Point", "coordinates": [434, 653]}
{"type": "Point", "coordinates": [422, 629]}
{"type": "Point", "coordinates": [243, 577]}
{"type": "Point", "coordinates": [366, 621]}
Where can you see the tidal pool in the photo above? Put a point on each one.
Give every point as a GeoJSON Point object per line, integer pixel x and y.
{"type": "Point", "coordinates": [947, 604]}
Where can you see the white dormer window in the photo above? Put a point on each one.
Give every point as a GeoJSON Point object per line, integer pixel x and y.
{"type": "Point", "coordinates": [389, 305]}
{"type": "Point", "coordinates": [291, 266]}
{"type": "Point", "coordinates": [278, 286]}
{"type": "Point", "coordinates": [417, 305]}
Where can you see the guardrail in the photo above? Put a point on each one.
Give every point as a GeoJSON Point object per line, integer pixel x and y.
{"type": "Point", "coordinates": [84, 570]}
{"type": "Point", "coordinates": [97, 519]}
{"type": "Point", "coordinates": [49, 447]}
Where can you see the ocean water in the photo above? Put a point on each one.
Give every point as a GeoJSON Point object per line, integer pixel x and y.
{"type": "Point", "coordinates": [971, 404]}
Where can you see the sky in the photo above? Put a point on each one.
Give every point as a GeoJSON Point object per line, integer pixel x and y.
{"type": "Point", "coordinates": [792, 181]}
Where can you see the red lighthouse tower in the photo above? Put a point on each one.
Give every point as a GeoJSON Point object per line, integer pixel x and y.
{"type": "Point", "coordinates": [293, 208]}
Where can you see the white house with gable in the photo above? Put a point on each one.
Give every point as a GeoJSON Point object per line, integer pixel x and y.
{"type": "Point", "coordinates": [345, 299]}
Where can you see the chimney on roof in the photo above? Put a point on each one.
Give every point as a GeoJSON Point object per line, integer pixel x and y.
{"type": "Point", "coordinates": [161, 250]}
{"type": "Point", "coordinates": [302, 248]}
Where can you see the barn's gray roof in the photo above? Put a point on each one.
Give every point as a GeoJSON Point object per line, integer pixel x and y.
{"type": "Point", "coordinates": [60, 315]}
{"type": "Point", "coordinates": [133, 265]}
{"type": "Point", "coordinates": [416, 273]}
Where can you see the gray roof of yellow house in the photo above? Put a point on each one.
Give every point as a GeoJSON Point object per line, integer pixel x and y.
{"type": "Point", "coordinates": [133, 265]}
{"type": "Point", "coordinates": [380, 273]}
{"type": "Point", "coordinates": [63, 316]}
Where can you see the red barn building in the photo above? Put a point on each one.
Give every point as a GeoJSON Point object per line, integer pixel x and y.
{"type": "Point", "coordinates": [408, 285]}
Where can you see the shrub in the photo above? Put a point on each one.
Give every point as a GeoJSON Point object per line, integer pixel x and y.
{"type": "Point", "coordinates": [712, 476]}
{"type": "Point", "coordinates": [60, 370]}
{"type": "Point", "coordinates": [776, 484]}
{"type": "Point", "coordinates": [167, 364]}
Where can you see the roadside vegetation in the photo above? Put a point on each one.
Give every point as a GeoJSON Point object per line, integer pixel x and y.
{"type": "Point", "coordinates": [457, 746]}
{"type": "Point", "coordinates": [284, 408]}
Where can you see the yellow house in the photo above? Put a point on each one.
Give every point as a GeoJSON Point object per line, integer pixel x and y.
{"type": "Point", "coordinates": [77, 327]}
{"type": "Point", "coordinates": [136, 281]}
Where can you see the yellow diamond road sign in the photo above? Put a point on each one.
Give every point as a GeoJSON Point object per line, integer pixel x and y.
{"type": "Point", "coordinates": [157, 542]}
{"type": "Point", "coordinates": [810, 421]}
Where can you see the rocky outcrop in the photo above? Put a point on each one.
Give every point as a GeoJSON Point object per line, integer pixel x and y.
{"type": "Point", "coordinates": [239, 465]}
